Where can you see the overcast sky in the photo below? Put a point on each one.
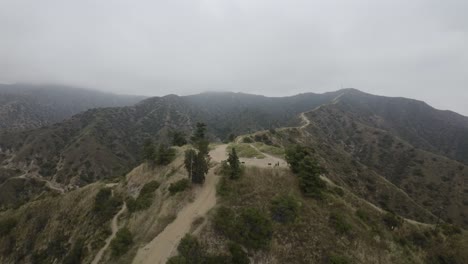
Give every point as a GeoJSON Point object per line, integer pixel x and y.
{"type": "Point", "coordinates": [410, 48]}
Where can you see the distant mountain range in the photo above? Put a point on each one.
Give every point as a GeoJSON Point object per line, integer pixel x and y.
{"type": "Point", "coordinates": [399, 154]}
{"type": "Point", "coordinates": [25, 106]}
{"type": "Point", "coordinates": [104, 143]}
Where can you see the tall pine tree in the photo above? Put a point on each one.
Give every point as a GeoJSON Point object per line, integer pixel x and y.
{"type": "Point", "coordinates": [189, 161]}
{"type": "Point", "coordinates": [234, 165]}
{"type": "Point", "coordinates": [199, 140]}
{"type": "Point", "coordinates": [196, 162]}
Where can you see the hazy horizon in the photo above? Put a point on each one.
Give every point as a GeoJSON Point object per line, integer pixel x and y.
{"type": "Point", "coordinates": [406, 49]}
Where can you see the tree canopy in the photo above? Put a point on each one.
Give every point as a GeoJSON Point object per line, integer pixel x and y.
{"type": "Point", "coordinates": [308, 170]}
{"type": "Point", "coordinates": [234, 165]}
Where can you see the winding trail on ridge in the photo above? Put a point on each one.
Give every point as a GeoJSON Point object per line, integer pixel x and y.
{"type": "Point", "coordinates": [115, 228]}
{"type": "Point", "coordinates": [163, 246]}
{"type": "Point", "coordinates": [307, 122]}
{"type": "Point", "coordinates": [305, 119]}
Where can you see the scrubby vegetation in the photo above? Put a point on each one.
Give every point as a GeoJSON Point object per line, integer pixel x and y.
{"type": "Point", "coordinates": [295, 154]}
{"type": "Point", "coordinates": [179, 138]}
{"type": "Point", "coordinates": [179, 186]}
{"type": "Point", "coordinates": [250, 227]}
{"type": "Point", "coordinates": [339, 223]}
{"type": "Point", "coordinates": [122, 242]}
{"type": "Point", "coordinates": [308, 170]}
{"type": "Point", "coordinates": [162, 155]}
{"type": "Point", "coordinates": [338, 259]}
{"type": "Point", "coordinates": [392, 220]}
{"type": "Point", "coordinates": [76, 253]}
{"type": "Point", "coordinates": [238, 255]}
{"type": "Point", "coordinates": [247, 139]}
{"type": "Point", "coordinates": [105, 204]}
{"type": "Point", "coordinates": [144, 199]}
{"type": "Point", "coordinates": [285, 209]}
{"type": "Point", "coordinates": [6, 225]}
{"type": "Point", "coordinates": [191, 251]}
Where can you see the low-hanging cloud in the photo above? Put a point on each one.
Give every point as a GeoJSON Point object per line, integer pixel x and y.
{"type": "Point", "coordinates": [415, 49]}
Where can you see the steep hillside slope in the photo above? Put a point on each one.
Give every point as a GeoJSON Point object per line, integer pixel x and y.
{"type": "Point", "coordinates": [433, 181]}
{"type": "Point", "coordinates": [102, 143]}
{"type": "Point", "coordinates": [97, 144]}
{"type": "Point", "coordinates": [74, 227]}
{"type": "Point", "coordinates": [29, 106]}
{"type": "Point", "coordinates": [379, 166]}
{"type": "Point", "coordinates": [64, 228]}
{"type": "Point", "coordinates": [441, 132]}
{"type": "Point", "coordinates": [339, 228]}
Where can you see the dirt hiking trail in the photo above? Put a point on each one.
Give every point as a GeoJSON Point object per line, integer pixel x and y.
{"type": "Point", "coordinates": [165, 244]}
{"type": "Point", "coordinates": [305, 120]}
{"type": "Point", "coordinates": [115, 228]}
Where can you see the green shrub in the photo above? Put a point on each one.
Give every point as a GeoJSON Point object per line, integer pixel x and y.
{"type": "Point", "coordinates": [164, 155]}
{"type": "Point", "coordinates": [191, 249]}
{"type": "Point", "coordinates": [6, 225]}
{"type": "Point", "coordinates": [122, 241]}
{"type": "Point", "coordinates": [145, 198]}
{"type": "Point", "coordinates": [101, 199]}
{"type": "Point", "coordinates": [238, 255]}
{"type": "Point", "coordinates": [177, 260]}
{"type": "Point", "coordinates": [217, 259]}
{"type": "Point", "coordinates": [223, 188]}
{"type": "Point", "coordinates": [392, 220]}
{"type": "Point", "coordinates": [285, 209]}
{"type": "Point", "coordinates": [247, 140]}
{"type": "Point", "coordinates": [179, 186]}
{"type": "Point", "coordinates": [449, 229]}
{"type": "Point", "coordinates": [254, 229]}
{"type": "Point", "coordinates": [192, 252]}
{"type": "Point", "coordinates": [131, 204]}
{"type": "Point", "coordinates": [105, 206]}
{"type": "Point", "coordinates": [338, 259]}
{"type": "Point", "coordinates": [179, 138]}
{"type": "Point", "coordinates": [56, 247]}
{"type": "Point", "coordinates": [48, 169]}
{"type": "Point", "coordinates": [361, 214]}
{"type": "Point", "coordinates": [294, 156]}
{"type": "Point", "coordinates": [308, 170]}
{"type": "Point", "coordinates": [339, 191]}
{"type": "Point", "coordinates": [418, 239]}
{"type": "Point", "coordinates": [224, 221]}
{"type": "Point", "coordinates": [309, 178]}
{"type": "Point", "coordinates": [339, 223]}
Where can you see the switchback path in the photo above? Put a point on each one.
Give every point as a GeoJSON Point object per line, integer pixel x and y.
{"type": "Point", "coordinates": [115, 228]}
{"type": "Point", "coordinates": [305, 119]}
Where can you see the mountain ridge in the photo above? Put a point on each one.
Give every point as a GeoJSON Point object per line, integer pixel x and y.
{"type": "Point", "coordinates": [24, 106]}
